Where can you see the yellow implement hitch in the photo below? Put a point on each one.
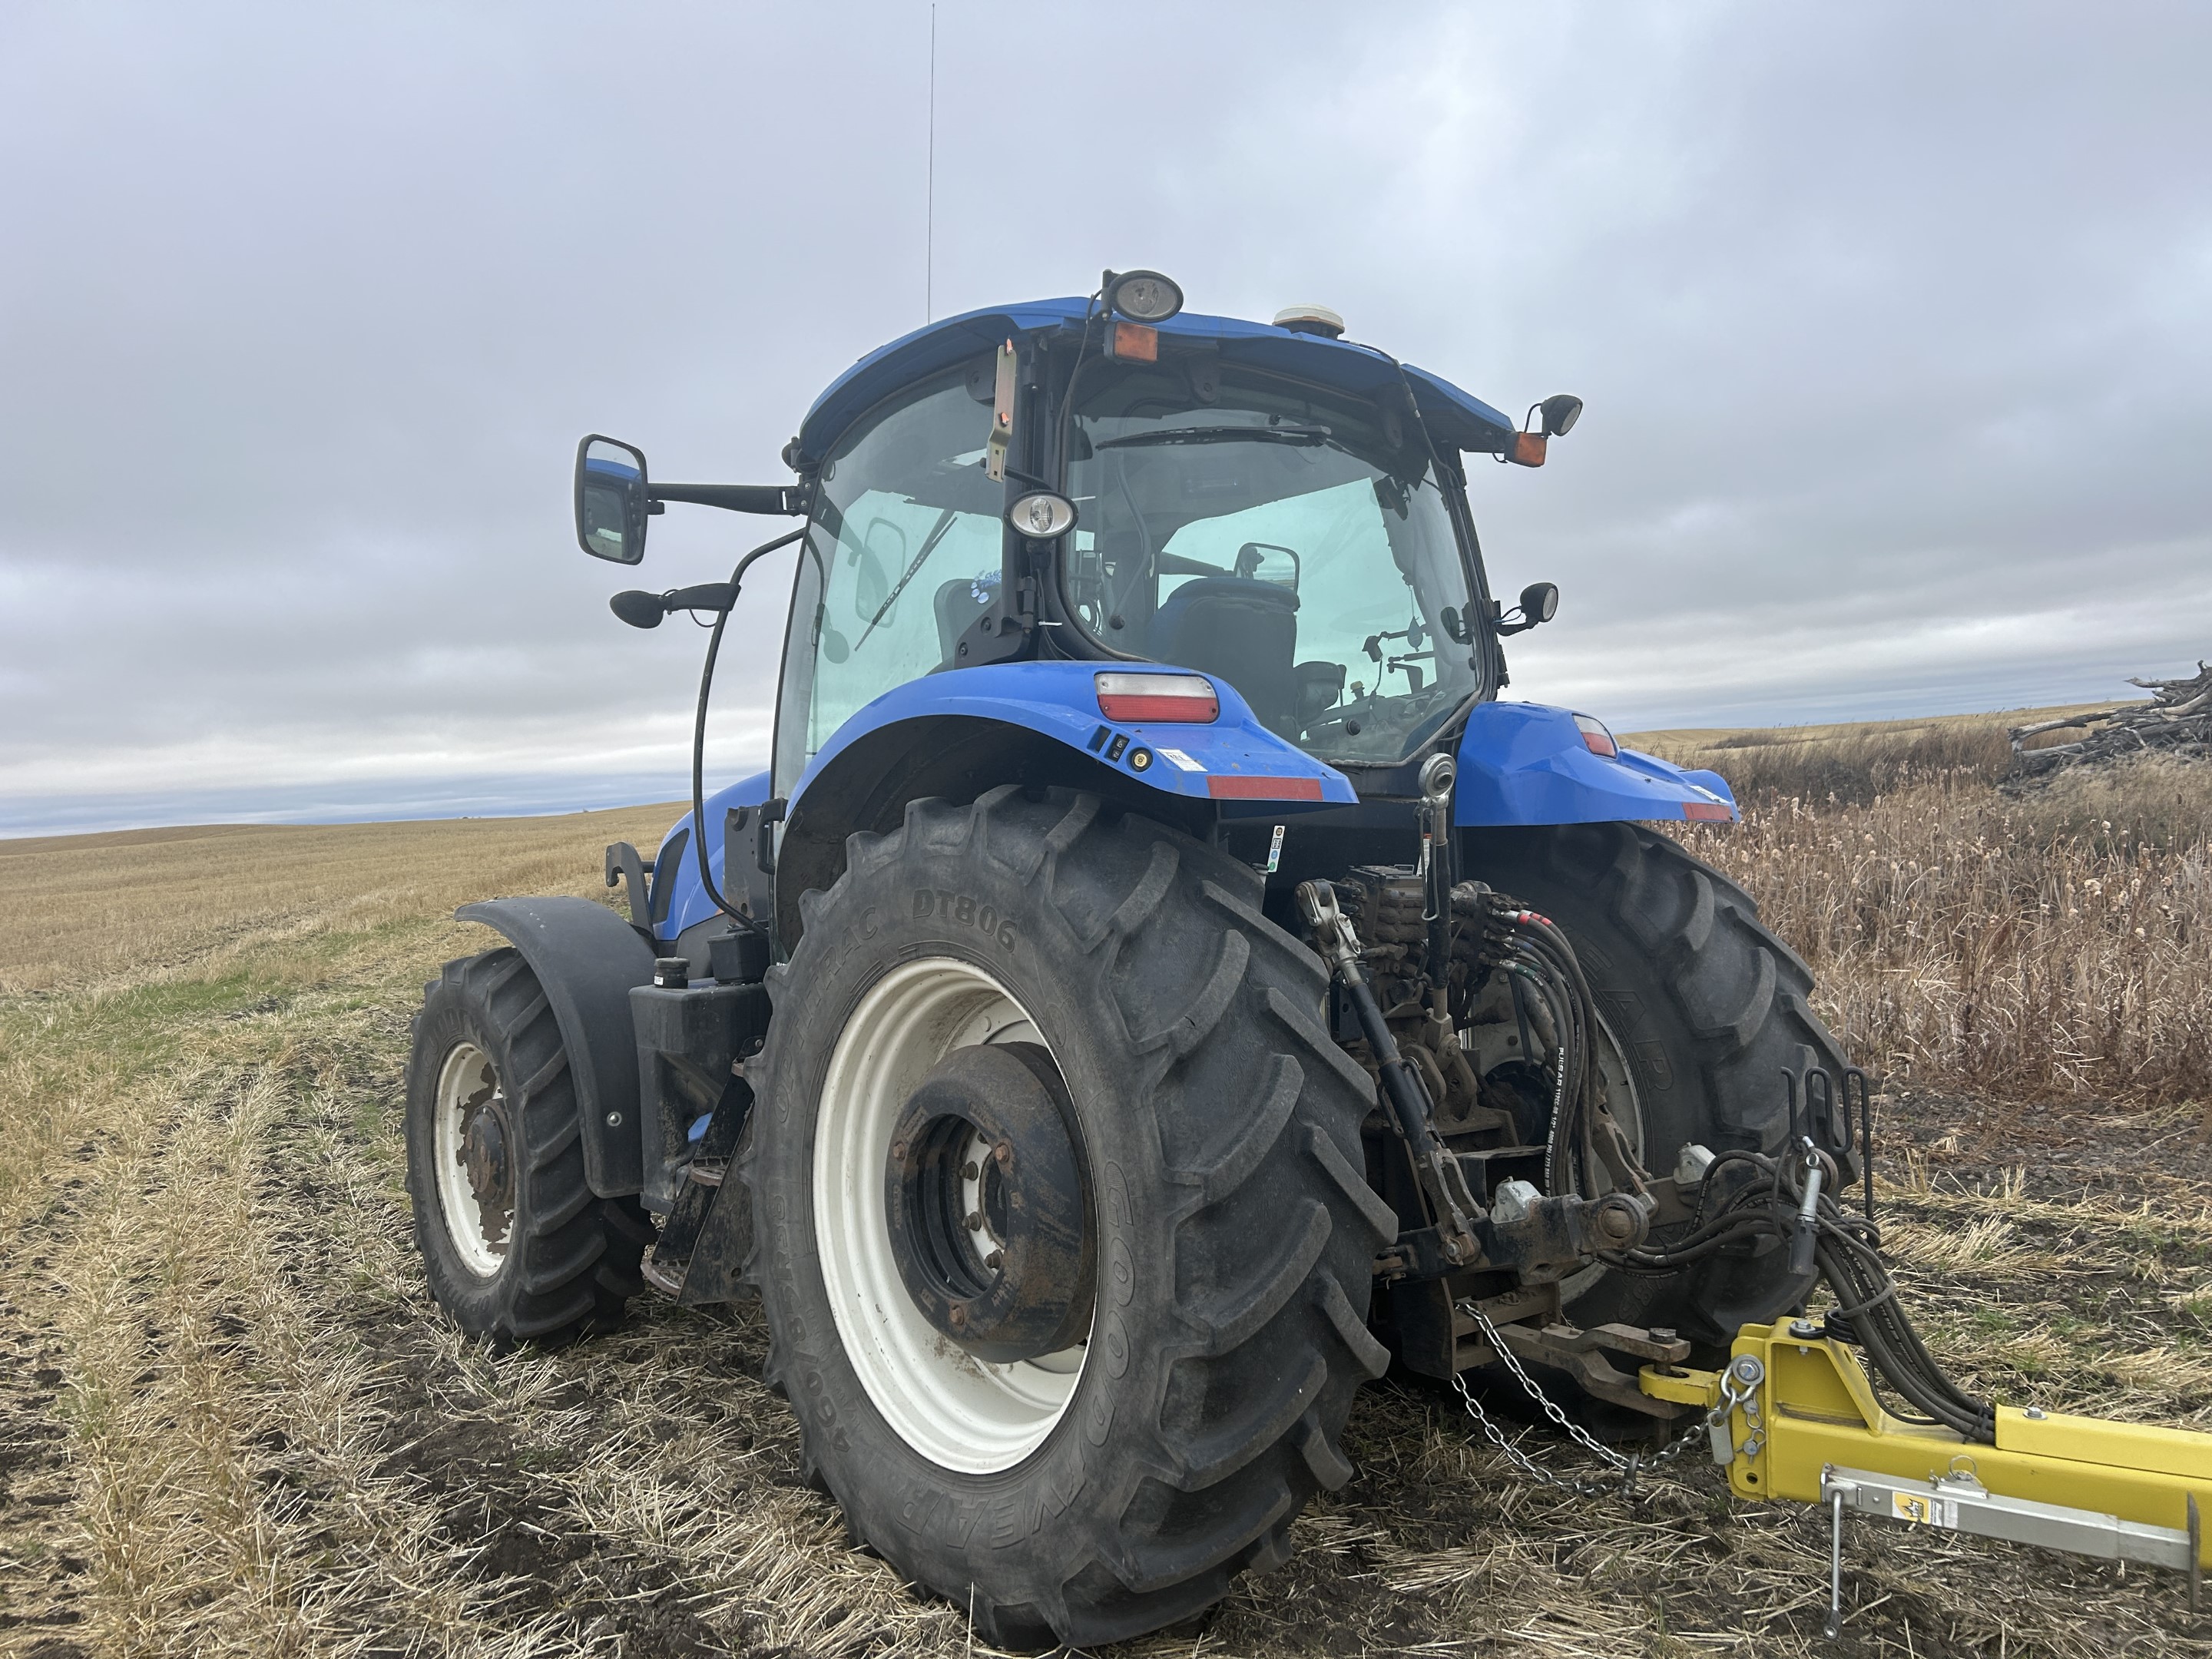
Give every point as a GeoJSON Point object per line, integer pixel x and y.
{"type": "Point", "coordinates": [1801, 1422]}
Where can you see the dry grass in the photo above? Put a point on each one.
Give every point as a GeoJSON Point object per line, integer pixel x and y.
{"type": "Point", "coordinates": [2056, 945]}
{"type": "Point", "coordinates": [231, 1421]}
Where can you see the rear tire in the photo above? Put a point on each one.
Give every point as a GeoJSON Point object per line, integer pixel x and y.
{"type": "Point", "coordinates": [517, 1247]}
{"type": "Point", "coordinates": [1708, 1007]}
{"type": "Point", "coordinates": [1234, 1232]}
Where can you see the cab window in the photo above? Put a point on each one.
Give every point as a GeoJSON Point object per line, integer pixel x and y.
{"type": "Point", "coordinates": [902, 554]}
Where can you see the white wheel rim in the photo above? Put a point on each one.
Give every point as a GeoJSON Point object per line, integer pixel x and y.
{"type": "Point", "coordinates": [961, 1413]}
{"type": "Point", "coordinates": [467, 1083]}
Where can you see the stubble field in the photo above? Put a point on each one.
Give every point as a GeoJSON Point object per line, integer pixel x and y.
{"type": "Point", "coordinates": [231, 1421]}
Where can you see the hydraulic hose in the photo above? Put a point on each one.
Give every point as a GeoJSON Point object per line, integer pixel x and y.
{"type": "Point", "coordinates": [1845, 1249]}
{"type": "Point", "coordinates": [699, 736]}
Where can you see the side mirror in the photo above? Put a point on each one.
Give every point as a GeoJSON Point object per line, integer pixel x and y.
{"type": "Point", "coordinates": [611, 500]}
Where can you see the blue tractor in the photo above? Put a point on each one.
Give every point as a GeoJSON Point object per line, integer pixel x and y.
{"type": "Point", "coordinates": [1157, 985]}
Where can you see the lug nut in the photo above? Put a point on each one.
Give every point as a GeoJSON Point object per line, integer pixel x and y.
{"type": "Point", "coordinates": [898, 1150]}
{"type": "Point", "coordinates": [975, 1221]}
{"type": "Point", "coordinates": [959, 1316]}
{"type": "Point", "coordinates": [969, 1171]}
{"type": "Point", "coordinates": [1003, 1151]}
{"type": "Point", "coordinates": [995, 1260]}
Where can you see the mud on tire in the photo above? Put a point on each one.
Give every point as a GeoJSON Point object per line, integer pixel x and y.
{"type": "Point", "coordinates": [568, 1260]}
{"type": "Point", "coordinates": [1235, 1231]}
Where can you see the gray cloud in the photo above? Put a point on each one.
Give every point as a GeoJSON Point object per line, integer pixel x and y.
{"type": "Point", "coordinates": [1892, 320]}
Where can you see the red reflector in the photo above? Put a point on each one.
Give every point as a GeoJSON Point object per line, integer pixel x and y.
{"type": "Point", "coordinates": [1233, 785]}
{"type": "Point", "coordinates": [1136, 711]}
{"type": "Point", "coordinates": [1707, 811]}
{"type": "Point", "coordinates": [1184, 699]}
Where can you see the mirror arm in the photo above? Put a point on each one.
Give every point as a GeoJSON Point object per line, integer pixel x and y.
{"type": "Point", "coordinates": [735, 498]}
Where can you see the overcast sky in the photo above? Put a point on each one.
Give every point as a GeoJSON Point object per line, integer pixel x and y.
{"type": "Point", "coordinates": [1895, 324]}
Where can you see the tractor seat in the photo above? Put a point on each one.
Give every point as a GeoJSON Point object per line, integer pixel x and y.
{"type": "Point", "coordinates": [1245, 631]}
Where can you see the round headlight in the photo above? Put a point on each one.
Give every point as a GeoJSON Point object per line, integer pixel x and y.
{"type": "Point", "coordinates": [1144, 296]}
{"type": "Point", "coordinates": [1041, 515]}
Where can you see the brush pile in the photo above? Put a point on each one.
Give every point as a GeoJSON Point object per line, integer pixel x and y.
{"type": "Point", "coordinates": [2176, 721]}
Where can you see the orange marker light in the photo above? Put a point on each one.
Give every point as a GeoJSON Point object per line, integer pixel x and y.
{"type": "Point", "coordinates": [1527, 449]}
{"type": "Point", "coordinates": [1133, 342]}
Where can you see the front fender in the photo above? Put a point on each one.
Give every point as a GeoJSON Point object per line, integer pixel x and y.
{"type": "Point", "coordinates": [586, 958]}
{"type": "Point", "coordinates": [1527, 764]}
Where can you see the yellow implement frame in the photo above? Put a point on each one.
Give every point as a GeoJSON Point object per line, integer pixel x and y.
{"type": "Point", "coordinates": [1803, 1422]}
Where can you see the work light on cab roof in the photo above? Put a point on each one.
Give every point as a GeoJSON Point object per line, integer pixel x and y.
{"type": "Point", "coordinates": [1142, 297]}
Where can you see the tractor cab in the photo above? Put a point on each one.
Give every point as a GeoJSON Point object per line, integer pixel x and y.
{"type": "Point", "coordinates": [1268, 505]}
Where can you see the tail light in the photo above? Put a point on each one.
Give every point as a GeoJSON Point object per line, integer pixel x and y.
{"type": "Point", "coordinates": [1595, 738]}
{"type": "Point", "coordinates": [1707, 811]}
{"type": "Point", "coordinates": [1136, 699]}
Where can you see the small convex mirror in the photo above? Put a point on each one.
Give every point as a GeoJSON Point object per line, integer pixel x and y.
{"type": "Point", "coordinates": [611, 500]}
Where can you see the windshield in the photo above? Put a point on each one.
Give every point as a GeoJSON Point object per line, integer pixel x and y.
{"type": "Point", "coordinates": [1291, 542]}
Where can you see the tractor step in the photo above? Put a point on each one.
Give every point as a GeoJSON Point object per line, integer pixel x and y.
{"type": "Point", "coordinates": [702, 1241]}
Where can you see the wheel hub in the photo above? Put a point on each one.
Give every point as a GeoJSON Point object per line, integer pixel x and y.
{"type": "Point", "coordinates": [484, 1156]}
{"type": "Point", "coordinates": [988, 1206]}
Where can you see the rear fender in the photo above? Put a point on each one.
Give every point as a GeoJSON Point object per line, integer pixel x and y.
{"type": "Point", "coordinates": [1527, 764]}
{"type": "Point", "coordinates": [586, 958]}
{"type": "Point", "coordinates": [1036, 724]}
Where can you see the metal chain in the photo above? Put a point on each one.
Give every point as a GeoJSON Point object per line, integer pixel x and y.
{"type": "Point", "coordinates": [1629, 1466]}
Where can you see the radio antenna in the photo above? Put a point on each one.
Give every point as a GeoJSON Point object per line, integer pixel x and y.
{"type": "Point", "coordinates": [929, 212]}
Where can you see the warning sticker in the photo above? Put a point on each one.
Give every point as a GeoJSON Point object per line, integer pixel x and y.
{"type": "Point", "coordinates": [1925, 1509]}
{"type": "Point", "coordinates": [1177, 757]}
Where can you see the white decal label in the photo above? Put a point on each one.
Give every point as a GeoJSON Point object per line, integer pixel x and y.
{"type": "Point", "coordinates": [1177, 757]}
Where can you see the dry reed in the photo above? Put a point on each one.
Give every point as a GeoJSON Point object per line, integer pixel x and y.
{"type": "Point", "coordinates": [2040, 948]}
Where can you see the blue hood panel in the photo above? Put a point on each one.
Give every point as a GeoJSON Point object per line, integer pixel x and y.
{"type": "Point", "coordinates": [1526, 764]}
{"type": "Point", "coordinates": [690, 903]}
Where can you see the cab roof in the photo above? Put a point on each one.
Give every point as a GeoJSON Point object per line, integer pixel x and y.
{"type": "Point", "coordinates": [1453, 418]}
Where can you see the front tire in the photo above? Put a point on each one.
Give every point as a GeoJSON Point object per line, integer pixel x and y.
{"type": "Point", "coordinates": [1122, 1486]}
{"type": "Point", "coordinates": [516, 1246]}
